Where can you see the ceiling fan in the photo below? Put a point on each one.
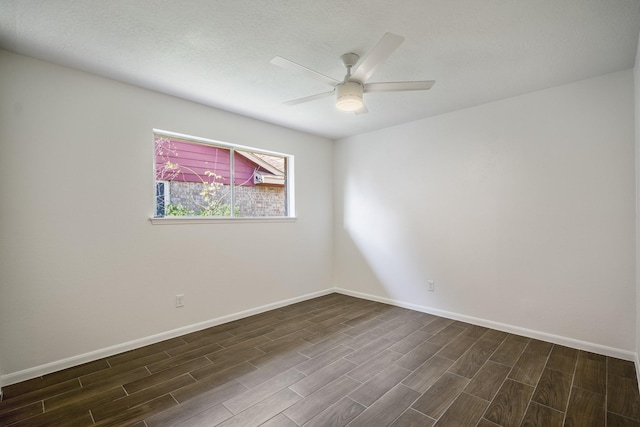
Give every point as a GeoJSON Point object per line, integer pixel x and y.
{"type": "Point", "coordinates": [349, 92]}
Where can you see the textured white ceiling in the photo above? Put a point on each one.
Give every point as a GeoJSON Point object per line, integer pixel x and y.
{"type": "Point", "coordinates": [218, 52]}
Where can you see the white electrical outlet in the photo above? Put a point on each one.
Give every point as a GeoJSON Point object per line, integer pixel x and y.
{"type": "Point", "coordinates": [179, 300]}
{"type": "Point", "coordinates": [431, 285]}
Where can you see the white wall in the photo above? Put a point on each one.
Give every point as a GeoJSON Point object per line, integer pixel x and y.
{"type": "Point", "coordinates": [522, 211]}
{"type": "Point", "coordinates": [82, 268]}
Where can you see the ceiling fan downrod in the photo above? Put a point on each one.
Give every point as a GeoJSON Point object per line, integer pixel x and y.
{"type": "Point", "coordinates": [349, 60]}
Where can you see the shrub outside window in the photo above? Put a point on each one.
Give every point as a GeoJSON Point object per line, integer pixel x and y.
{"type": "Point", "coordinates": [200, 178]}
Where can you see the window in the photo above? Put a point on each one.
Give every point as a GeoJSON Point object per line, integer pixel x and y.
{"type": "Point", "coordinates": [200, 178]}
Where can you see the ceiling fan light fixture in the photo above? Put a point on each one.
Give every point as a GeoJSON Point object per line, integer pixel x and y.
{"type": "Point", "coordinates": [349, 96]}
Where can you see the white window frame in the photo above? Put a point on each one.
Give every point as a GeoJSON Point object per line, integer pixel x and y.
{"type": "Point", "coordinates": [289, 185]}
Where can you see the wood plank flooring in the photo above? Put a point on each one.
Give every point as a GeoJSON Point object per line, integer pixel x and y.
{"type": "Point", "coordinates": [336, 361]}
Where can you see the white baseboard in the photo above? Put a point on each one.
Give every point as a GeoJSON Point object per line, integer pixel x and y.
{"type": "Point", "coordinates": [27, 374]}
{"type": "Point", "coordinates": [637, 360]}
{"type": "Point", "coordinates": [556, 339]}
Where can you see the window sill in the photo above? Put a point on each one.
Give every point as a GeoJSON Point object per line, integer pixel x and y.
{"type": "Point", "coordinates": [221, 220]}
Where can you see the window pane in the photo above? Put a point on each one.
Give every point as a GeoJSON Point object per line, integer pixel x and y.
{"type": "Point", "coordinates": [260, 182]}
{"type": "Point", "coordinates": [198, 178]}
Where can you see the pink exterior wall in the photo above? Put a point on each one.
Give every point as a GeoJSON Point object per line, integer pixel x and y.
{"type": "Point", "coordinates": [196, 159]}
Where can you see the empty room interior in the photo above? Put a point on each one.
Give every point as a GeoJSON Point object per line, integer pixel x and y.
{"type": "Point", "coordinates": [396, 214]}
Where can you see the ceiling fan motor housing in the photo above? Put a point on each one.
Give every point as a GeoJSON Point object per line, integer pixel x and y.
{"type": "Point", "coordinates": [349, 96]}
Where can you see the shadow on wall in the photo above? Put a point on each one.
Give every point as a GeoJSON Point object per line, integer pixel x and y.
{"type": "Point", "coordinates": [378, 235]}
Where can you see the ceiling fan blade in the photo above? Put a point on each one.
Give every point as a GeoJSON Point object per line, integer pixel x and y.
{"type": "Point", "coordinates": [398, 86]}
{"type": "Point", "coordinates": [308, 98]}
{"type": "Point", "coordinates": [385, 47]}
{"type": "Point", "coordinates": [292, 66]}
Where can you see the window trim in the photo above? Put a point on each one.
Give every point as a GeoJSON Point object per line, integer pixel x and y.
{"type": "Point", "coordinates": [289, 184]}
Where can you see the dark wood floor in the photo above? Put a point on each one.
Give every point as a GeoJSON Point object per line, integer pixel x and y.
{"type": "Point", "coordinates": [335, 361]}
